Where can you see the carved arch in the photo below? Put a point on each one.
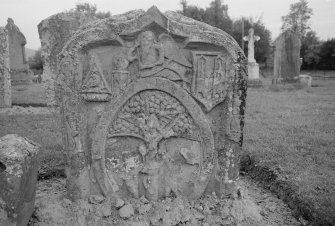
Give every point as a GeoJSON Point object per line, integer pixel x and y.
{"type": "Point", "coordinates": [99, 142]}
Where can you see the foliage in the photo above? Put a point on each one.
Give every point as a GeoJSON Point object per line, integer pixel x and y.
{"type": "Point", "coordinates": [327, 55]}
{"type": "Point", "coordinates": [91, 9]}
{"type": "Point", "coordinates": [310, 50]}
{"type": "Point", "coordinates": [298, 17]}
{"type": "Point", "coordinates": [216, 14]}
{"type": "Point", "coordinates": [36, 62]}
{"type": "Point", "coordinates": [193, 11]}
{"type": "Point", "coordinates": [312, 56]}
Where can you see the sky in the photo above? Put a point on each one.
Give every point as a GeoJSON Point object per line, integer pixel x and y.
{"type": "Point", "coordinates": [27, 14]}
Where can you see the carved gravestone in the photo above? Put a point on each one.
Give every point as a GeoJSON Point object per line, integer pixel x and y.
{"type": "Point", "coordinates": [54, 32]}
{"type": "Point", "coordinates": [287, 59]}
{"type": "Point", "coordinates": [152, 106]}
{"type": "Point", "coordinates": [19, 68]}
{"type": "Point", "coordinates": [5, 85]}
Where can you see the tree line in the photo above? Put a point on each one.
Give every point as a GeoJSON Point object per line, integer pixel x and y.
{"type": "Point", "coordinates": [316, 53]}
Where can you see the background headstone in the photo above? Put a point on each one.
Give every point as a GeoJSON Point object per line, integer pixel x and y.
{"type": "Point", "coordinates": [253, 67]}
{"type": "Point", "coordinates": [287, 57]}
{"type": "Point", "coordinates": [19, 68]}
{"type": "Point", "coordinates": [18, 178]}
{"type": "Point", "coordinates": [54, 32]}
{"type": "Point", "coordinates": [5, 84]}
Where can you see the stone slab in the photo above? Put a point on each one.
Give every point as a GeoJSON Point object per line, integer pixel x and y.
{"type": "Point", "coordinates": [152, 106]}
{"type": "Point", "coordinates": [5, 80]}
{"type": "Point", "coordinates": [18, 178]}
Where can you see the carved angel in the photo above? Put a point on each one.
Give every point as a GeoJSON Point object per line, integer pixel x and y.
{"type": "Point", "coordinates": [147, 51]}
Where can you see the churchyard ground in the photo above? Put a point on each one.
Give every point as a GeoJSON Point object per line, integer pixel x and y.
{"type": "Point", "coordinates": [291, 133]}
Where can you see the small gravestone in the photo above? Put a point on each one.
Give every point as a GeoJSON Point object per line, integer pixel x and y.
{"type": "Point", "coordinates": [18, 178]}
{"type": "Point", "coordinates": [5, 84]}
{"type": "Point", "coordinates": [253, 67]}
{"type": "Point", "coordinates": [54, 32]}
{"type": "Point", "coordinates": [287, 59]}
{"type": "Point", "coordinates": [153, 112]}
{"type": "Point", "coordinates": [19, 68]}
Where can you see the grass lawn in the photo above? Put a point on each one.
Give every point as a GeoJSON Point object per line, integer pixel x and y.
{"type": "Point", "coordinates": [28, 94]}
{"type": "Point", "coordinates": [293, 133]}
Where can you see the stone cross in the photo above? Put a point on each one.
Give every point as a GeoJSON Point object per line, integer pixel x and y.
{"type": "Point", "coordinates": [251, 38]}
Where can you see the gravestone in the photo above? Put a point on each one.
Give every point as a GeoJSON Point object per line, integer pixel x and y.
{"type": "Point", "coordinates": [253, 67]}
{"type": "Point", "coordinates": [5, 85]}
{"type": "Point", "coordinates": [153, 108]}
{"type": "Point", "coordinates": [287, 60]}
{"type": "Point", "coordinates": [18, 178]}
{"type": "Point", "coordinates": [19, 68]}
{"type": "Point", "coordinates": [54, 32]}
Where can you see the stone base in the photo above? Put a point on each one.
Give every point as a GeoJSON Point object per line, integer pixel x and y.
{"type": "Point", "coordinates": [253, 71]}
{"type": "Point", "coordinates": [305, 80]}
{"type": "Point", "coordinates": [21, 78]}
{"type": "Point", "coordinates": [256, 83]}
{"type": "Point", "coordinates": [53, 208]}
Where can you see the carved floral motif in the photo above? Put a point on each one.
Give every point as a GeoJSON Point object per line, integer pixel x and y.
{"type": "Point", "coordinates": [155, 119]}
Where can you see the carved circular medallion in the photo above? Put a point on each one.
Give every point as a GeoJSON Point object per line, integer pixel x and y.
{"type": "Point", "coordinates": [156, 141]}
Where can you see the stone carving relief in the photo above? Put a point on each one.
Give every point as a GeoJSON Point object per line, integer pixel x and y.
{"type": "Point", "coordinates": [154, 147]}
{"type": "Point", "coordinates": [95, 87]}
{"type": "Point", "coordinates": [156, 56]}
{"type": "Point", "coordinates": [73, 121]}
{"type": "Point", "coordinates": [212, 77]}
{"type": "Point", "coordinates": [120, 74]}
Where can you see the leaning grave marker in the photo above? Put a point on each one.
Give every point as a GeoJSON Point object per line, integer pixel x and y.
{"type": "Point", "coordinates": [152, 105]}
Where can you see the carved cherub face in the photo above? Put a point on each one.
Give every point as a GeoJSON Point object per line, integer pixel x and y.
{"type": "Point", "coordinates": [147, 39]}
{"type": "Point", "coordinates": [120, 63]}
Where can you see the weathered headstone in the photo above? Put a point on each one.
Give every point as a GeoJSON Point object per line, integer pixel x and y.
{"type": "Point", "coordinates": [54, 32]}
{"type": "Point", "coordinates": [19, 68]}
{"type": "Point", "coordinates": [253, 67]}
{"type": "Point", "coordinates": [287, 60]}
{"type": "Point", "coordinates": [153, 107]}
{"type": "Point", "coordinates": [5, 84]}
{"type": "Point", "coordinates": [18, 177]}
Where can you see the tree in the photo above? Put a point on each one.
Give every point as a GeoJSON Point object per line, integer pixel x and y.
{"type": "Point", "coordinates": [36, 62]}
{"type": "Point", "coordinates": [312, 56]}
{"type": "Point", "coordinates": [310, 50]}
{"type": "Point", "coordinates": [193, 11]}
{"type": "Point", "coordinates": [216, 14]}
{"type": "Point", "coordinates": [327, 55]}
{"type": "Point", "coordinates": [298, 18]}
{"type": "Point", "coordinates": [91, 9]}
